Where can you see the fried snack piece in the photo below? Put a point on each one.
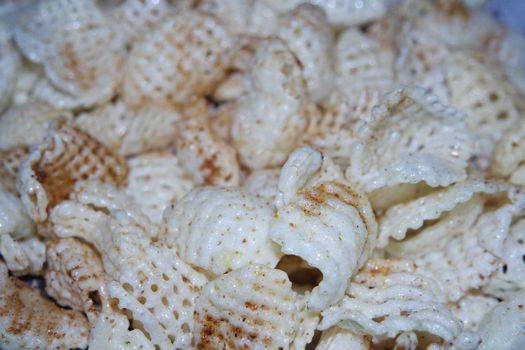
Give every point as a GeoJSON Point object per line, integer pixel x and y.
{"type": "Point", "coordinates": [253, 307]}
{"type": "Point", "coordinates": [66, 156]}
{"type": "Point", "coordinates": [74, 271]}
{"type": "Point", "coordinates": [30, 321]}
{"type": "Point", "coordinates": [509, 155]}
{"type": "Point", "coordinates": [10, 161]}
{"type": "Point", "coordinates": [336, 338]}
{"type": "Point", "coordinates": [220, 229]}
{"type": "Point", "coordinates": [472, 308]}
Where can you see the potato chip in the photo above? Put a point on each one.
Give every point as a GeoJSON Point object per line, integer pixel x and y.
{"type": "Point", "coordinates": [209, 159]}
{"type": "Point", "coordinates": [478, 89]}
{"type": "Point", "coordinates": [309, 36]}
{"type": "Point", "coordinates": [66, 156]}
{"type": "Point", "coordinates": [79, 49]}
{"type": "Point", "coordinates": [28, 320]}
{"type": "Point", "coordinates": [154, 181]}
{"type": "Point", "coordinates": [502, 328]}
{"type": "Point", "coordinates": [268, 121]}
{"type": "Point", "coordinates": [391, 296]}
{"type": "Point", "coordinates": [186, 56]}
{"type": "Point", "coordinates": [111, 330]}
{"type": "Point", "coordinates": [253, 307]}
{"type": "Point", "coordinates": [336, 338]}
{"type": "Point", "coordinates": [262, 184]}
{"type": "Point", "coordinates": [324, 221]}
{"type": "Point", "coordinates": [220, 229]}
{"type": "Point", "coordinates": [411, 138]}
{"type": "Point", "coordinates": [510, 277]}
{"type": "Point", "coordinates": [73, 272]}
{"type": "Point", "coordinates": [472, 308]}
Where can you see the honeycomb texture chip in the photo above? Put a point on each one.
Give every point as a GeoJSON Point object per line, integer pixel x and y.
{"type": "Point", "coordinates": [220, 229]}
{"type": "Point", "coordinates": [66, 156]}
{"type": "Point", "coordinates": [79, 49]}
{"type": "Point", "coordinates": [324, 221]}
{"type": "Point", "coordinates": [186, 56]}
{"type": "Point", "coordinates": [30, 321]}
{"type": "Point", "coordinates": [253, 307]}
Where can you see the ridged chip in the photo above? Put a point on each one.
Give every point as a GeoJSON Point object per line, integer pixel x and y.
{"type": "Point", "coordinates": [324, 221]}
{"type": "Point", "coordinates": [155, 180]}
{"type": "Point", "coordinates": [186, 56]}
{"type": "Point", "coordinates": [28, 320]}
{"type": "Point", "coordinates": [73, 272]}
{"type": "Point", "coordinates": [411, 138]}
{"type": "Point", "coordinates": [253, 307]}
{"type": "Point", "coordinates": [66, 156]}
{"type": "Point", "coordinates": [336, 338]}
{"type": "Point", "coordinates": [472, 308]}
{"type": "Point", "coordinates": [509, 153]}
{"type": "Point", "coordinates": [388, 297]}
{"type": "Point", "coordinates": [80, 50]}
{"type": "Point", "coordinates": [220, 229]}
{"type": "Point", "coordinates": [268, 121]}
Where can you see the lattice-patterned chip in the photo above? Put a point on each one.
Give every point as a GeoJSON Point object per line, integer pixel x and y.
{"type": "Point", "coordinates": [253, 307]}
{"type": "Point", "coordinates": [155, 180]}
{"type": "Point", "coordinates": [68, 155]}
{"type": "Point", "coordinates": [411, 138]}
{"type": "Point", "coordinates": [472, 308]}
{"type": "Point", "coordinates": [324, 221]}
{"type": "Point", "coordinates": [208, 158]}
{"type": "Point", "coordinates": [30, 321]}
{"type": "Point", "coordinates": [267, 122]}
{"type": "Point", "coordinates": [308, 34]}
{"type": "Point", "coordinates": [220, 229]}
{"type": "Point", "coordinates": [74, 270]}
{"type": "Point", "coordinates": [186, 56]}
{"type": "Point", "coordinates": [479, 89]}
{"type": "Point", "coordinates": [502, 328]}
{"type": "Point", "coordinates": [337, 338]}
{"type": "Point", "coordinates": [389, 297]}
{"type": "Point", "coordinates": [80, 50]}
{"type": "Point", "coordinates": [27, 124]}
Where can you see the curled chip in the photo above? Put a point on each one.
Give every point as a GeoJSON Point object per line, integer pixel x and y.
{"type": "Point", "coordinates": [186, 56]}
{"type": "Point", "coordinates": [74, 271]}
{"type": "Point", "coordinates": [155, 180]}
{"type": "Point", "coordinates": [336, 338]}
{"type": "Point", "coordinates": [268, 121]}
{"type": "Point", "coordinates": [220, 229]}
{"type": "Point", "coordinates": [388, 297]}
{"type": "Point", "coordinates": [66, 156]}
{"type": "Point", "coordinates": [324, 221]}
{"type": "Point", "coordinates": [253, 307]}
{"type": "Point", "coordinates": [309, 36]}
{"type": "Point", "coordinates": [79, 49]}
{"type": "Point", "coordinates": [411, 138]}
{"type": "Point", "coordinates": [30, 321]}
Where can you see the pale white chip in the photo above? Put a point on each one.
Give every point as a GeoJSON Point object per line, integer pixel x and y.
{"type": "Point", "coordinates": [79, 49]}
{"type": "Point", "coordinates": [209, 159]}
{"type": "Point", "coordinates": [411, 138]}
{"type": "Point", "coordinates": [111, 331]}
{"type": "Point", "coordinates": [324, 221]}
{"type": "Point", "coordinates": [263, 185]}
{"type": "Point", "coordinates": [186, 56]}
{"type": "Point", "coordinates": [14, 220]}
{"type": "Point", "coordinates": [253, 307]}
{"type": "Point", "coordinates": [27, 124]}
{"type": "Point", "coordinates": [509, 153]}
{"type": "Point", "coordinates": [479, 89]}
{"type": "Point", "coordinates": [339, 12]}
{"type": "Point", "coordinates": [308, 34]}
{"type": "Point", "coordinates": [74, 270]}
{"type": "Point", "coordinates": [28, 76]}
{"type": "Point", "coordinates": [28, 320]}
{"type": "Point", "coordinates": [66, 156]}
{"type": "Point", "coordinates": [389, 297]}
{"type": "Point", "coordinates": [472, 308]}
{"type": "Point", "coordinates": [22, 257]}
{"type": "Point", "coordinates": [502, 328]}
{"type": "Point", "coordinates": [131, 131]}
{"type": "Point", "coordinates": [364, 70]}
{"type": "Point", "coordinates": [220, 229]}
{"type": "Point", "coordinates": [155, 180]}
{"type": "Point", "coordinates": [337, 338]}
{"type": "Point", "coordinates": [268, 121]}
{"type": "Point", "coordinates": [510, 277]}
{"type": "Point", "coordinates": [9, 67]}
